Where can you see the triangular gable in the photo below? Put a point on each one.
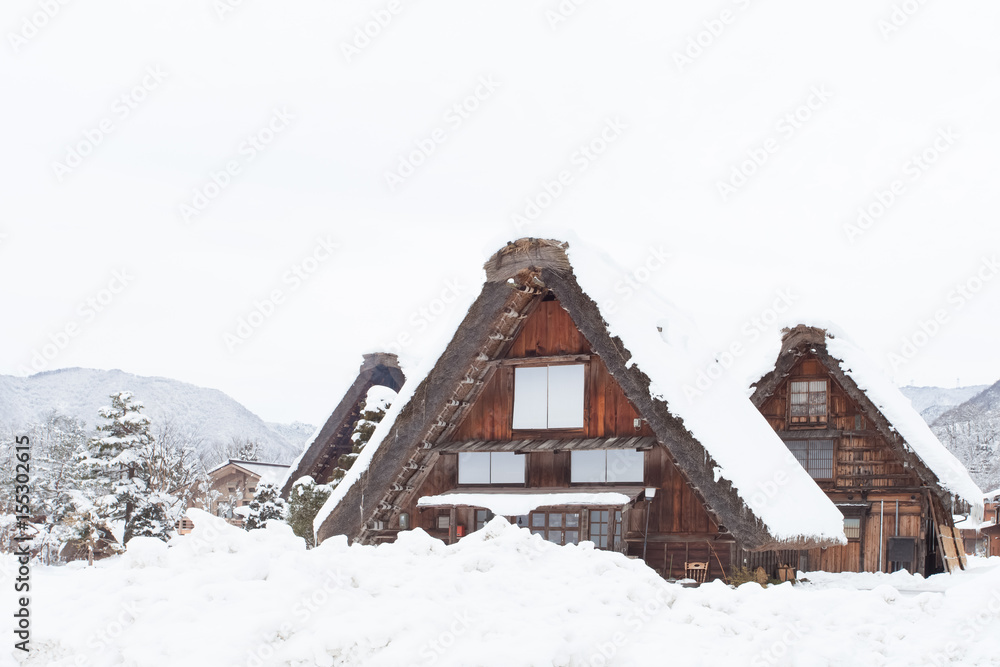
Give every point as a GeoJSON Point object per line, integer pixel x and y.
{"type": "Point", "coordinates": [333, 439]}
{"type": "Point", "coordinates": [906, 433]}
{"type": "Point", "coordinates": [404, 448]}
{"type": "Point", "coordinates": [550, 332]}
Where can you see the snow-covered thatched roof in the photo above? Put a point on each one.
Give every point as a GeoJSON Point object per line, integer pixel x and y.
{"type": "Point", "coordinates": [721, 443]}
{"type": "Point", "coordinates": [891, 411]}
{"type": "Point", "coordinates": [333, 438]}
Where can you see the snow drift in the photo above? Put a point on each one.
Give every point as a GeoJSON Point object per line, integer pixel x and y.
{"type": "Point", "coordinates": [222, 596]}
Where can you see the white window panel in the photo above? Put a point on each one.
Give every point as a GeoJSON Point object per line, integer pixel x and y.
{"type": "Point", "coordinates": [474, 468]}
{"type": "Point", "coordinates": [565, 396]}
{"type": "Point", "coordinates": [506, 468]}
{"type": "Point", "coordinates": [625, 465]}
{"type": "Point", "coordinates": [530, 397]}
{"type": "Point", "coordinates": [588, 466]}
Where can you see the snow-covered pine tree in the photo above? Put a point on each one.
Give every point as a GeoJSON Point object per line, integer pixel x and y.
{"type": "Point", "coordinates": [153, 517]}
{"type": "Point", "coordinates": [62, 484]}
{"type": "Point", "coordinates": [304, 502]}
{"type": "Point", "coordinates": [267, 504]}
{"type": "Point", "coordinates": [116, 450]}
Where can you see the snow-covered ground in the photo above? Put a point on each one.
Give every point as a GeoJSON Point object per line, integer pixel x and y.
{"type": "Point", "coordinates": [224, 597]}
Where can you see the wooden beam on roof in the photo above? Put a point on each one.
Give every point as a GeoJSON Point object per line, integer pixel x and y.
{"type": "Point", "coordinates": [547, 445]}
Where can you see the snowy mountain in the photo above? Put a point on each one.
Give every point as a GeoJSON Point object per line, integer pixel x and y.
{"type": "Point", "coordinates": [972, 432]}
{"type": "Point", "coordinates": [932, 402]}
{"type": "Point", "coordinates": [211, 417]}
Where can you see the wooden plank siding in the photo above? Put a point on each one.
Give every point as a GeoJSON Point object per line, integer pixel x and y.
{"type": "Point", "coordinates": [866, 470]}
{"type": "Point", "coordinates": [549, 331]}
{"type": "Point", "coordinates": [681, 528]}
{"type": "Point", "coordinates": [863, 458]}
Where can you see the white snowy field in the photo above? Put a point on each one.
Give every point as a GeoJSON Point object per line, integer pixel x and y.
{"type": "Point", "coordinates": [224, 597]}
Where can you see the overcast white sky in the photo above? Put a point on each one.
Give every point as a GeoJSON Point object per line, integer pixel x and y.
{"type": "Point", "coordinates": [199, 80]}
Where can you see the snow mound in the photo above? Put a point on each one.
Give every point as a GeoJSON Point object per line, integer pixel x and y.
{"type": "Point", "coordinates": [143, 552]}
{"type": "Point", "coordinates": [499, 597]}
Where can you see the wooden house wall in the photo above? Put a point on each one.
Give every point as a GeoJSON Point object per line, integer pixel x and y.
{"type": "Point", "coordinates": [863, 458]}
{"type": "Point", "coordinates": [866, 470]}
{"type": "Point", "coordinates": [680, 527]}
{"type": "Point", "coordinates": [222, 481]}
{"type": "Point", "coordinates": [878, 525]}
{"type": "Point", "coordinates": [549, 331]}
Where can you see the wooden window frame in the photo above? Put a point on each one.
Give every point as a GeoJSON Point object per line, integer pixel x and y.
{"type": "Point", "coordinates": [833, 457]}
{"type": "Point", "coordinates": [491, 484]}
{"type": "Point", "coordinates": [489, 515]}
{"type": "Point", "coordinates": [641, 452]}
{"type": "Point", "coordinates": [545, 362]}
{"type": "Point", "coordinates": [808, 424]}
{"type": "Point", "coordinates": [616, 536]}
{"type": "Point", "coordinates": [563, 511]}
{"type": "Point", "coordinates": [857, 518]}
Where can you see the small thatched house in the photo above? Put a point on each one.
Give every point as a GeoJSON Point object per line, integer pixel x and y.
{"type": "Point", "coordinates": [863, 443]}
{"type": "Point", "coordinates": [333, 439]}
{"type": "Point", "coordinates": [573, 423]}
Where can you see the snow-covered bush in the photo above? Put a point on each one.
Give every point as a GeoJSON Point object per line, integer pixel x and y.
{"type": "Point", "coordinates": [304, 502]}
{"type": "Point", "coordinates": [267, 504]}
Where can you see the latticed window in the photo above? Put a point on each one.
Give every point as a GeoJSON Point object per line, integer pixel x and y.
{"type": "Point", "coordinates": [852, 527]}
{"type": "Point", "coordinates": [556, 527]}
{"type": "Point", "coordinates": [809, 404]}
{"type": "Point", "coordinates": [482, 518]}
{"type": "Point", "coordinates": [606, 528]}
{"type": "Point", "coordinates": [816, 456]}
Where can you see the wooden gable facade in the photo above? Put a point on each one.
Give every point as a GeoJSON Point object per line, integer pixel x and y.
{"type": "Point", "coordinates": [895, 517]}
{"type": "Point", "coordinates": [457, 448]}
{"type": "Point", "coordinates": [681, 528]}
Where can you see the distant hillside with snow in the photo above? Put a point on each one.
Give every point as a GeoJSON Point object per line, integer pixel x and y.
{"type": "Point", "coordinates": [972, 432]}
{"type": "Point", "coordinates": [209, 415]}
{"type": "Point", "coordinates": [932, 402]}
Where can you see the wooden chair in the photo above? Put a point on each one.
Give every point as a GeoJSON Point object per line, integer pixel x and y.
{"type": "Point", "coordinates": [696, 571]}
